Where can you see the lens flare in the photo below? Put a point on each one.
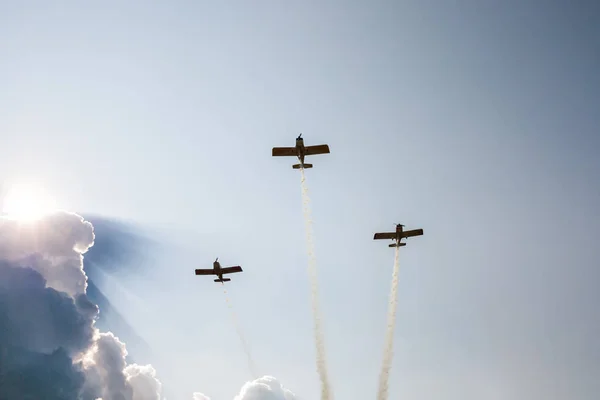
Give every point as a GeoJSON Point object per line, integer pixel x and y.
{"type": "Point", "coordinates": [27, 203]}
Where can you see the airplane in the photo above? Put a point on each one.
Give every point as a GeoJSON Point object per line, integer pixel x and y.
{"type": "Point", "coordinates": [300, 151]}
{"type": "Point", "coordinates": [219, 271]}
{"type": "Point", "coordinates": [398, 235]}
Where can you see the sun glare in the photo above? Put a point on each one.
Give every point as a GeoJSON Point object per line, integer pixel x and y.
{"type": "Point", "coordinates": [26, 202]}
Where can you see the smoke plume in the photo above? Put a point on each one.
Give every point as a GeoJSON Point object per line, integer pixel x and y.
{"type": "Point", "coordinates": [312, 272]}
{"type": "Point", "coordinates": [388, 351]}
{"type": "Point", "coordinates": [251, 365]}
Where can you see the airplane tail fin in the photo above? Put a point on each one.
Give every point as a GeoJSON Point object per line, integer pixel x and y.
{"type": "Point", "coordinates": [397, 244]}
{"type": "Point", "coordinates": [298, 166]}
{"type": "Point", "coordinates": [222, 280]}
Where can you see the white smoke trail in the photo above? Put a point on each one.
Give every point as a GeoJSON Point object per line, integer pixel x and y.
{"type": "Point", "coordinates": [312, 272]}
{"type": "Point", "coordinates": [388, 351]}
{"type": "Point", "coordinates": [251, 364]}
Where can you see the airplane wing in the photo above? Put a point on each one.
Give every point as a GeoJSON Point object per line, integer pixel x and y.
{"type": "Point", "coordinates": [385, 235]}
{"type": "Point", "coordinates": [231, 270]}
{"type": "Point", "coordinates": [284, 151]}
{"type": "Point", "coordinates": [414, 232]}
{"type": "Point", "coordinates": [205, 272]}
{"type": "Point", "coordinates": [319, 149]}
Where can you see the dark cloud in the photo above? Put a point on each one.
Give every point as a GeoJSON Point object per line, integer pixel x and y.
{"type": "Point", "coordinates": [39, 318]}
{"type": "Point", "coordinates": [28, 375]}
{"type": "Point", "coordinates": [40, 331]}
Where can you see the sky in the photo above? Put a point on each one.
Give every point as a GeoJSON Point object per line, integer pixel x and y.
{"type": "Point", "coordinates": [476, 121]}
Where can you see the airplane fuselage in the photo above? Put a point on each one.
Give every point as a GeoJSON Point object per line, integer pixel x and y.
{"type": "Point", "coordinates": [217, 268]}
{"type": "Point", "coordinates": [300, 149]}
{"type": "Point", "coordinates": [399, 232]}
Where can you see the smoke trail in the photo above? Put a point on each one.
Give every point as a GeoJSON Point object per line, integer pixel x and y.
{"type": "Point", "coordinates": [312, 272]}
{"type": "Point", "coordinates": [388, 351]}
{"type": "Point", "coordinates": [251, 365]}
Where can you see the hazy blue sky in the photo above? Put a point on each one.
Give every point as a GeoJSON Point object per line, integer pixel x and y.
{"type": "Point", "coordinates": [474, 120]}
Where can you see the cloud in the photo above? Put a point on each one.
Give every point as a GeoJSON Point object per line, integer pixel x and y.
{"type": "Point", "coordinates": [53, 246]}
{"type": "Point", "coordinates": [265, 388]}
{"type": "Point", "coordinates": [39, 318]}
{"type": "Point", "coordinates": [50, 346]}
{"type": "Point", "coordinates": [142, 379]}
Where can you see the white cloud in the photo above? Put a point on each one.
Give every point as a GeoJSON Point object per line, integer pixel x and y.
{"type": "Point", "coordinates": [142, 379]}
{"type": "Point", "coordinates": [265, 388]}
{"type": "Point", "coordinates": [53, 246]}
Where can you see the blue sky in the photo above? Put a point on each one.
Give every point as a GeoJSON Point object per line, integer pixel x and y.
{"type": "Point", "coordinates": [474, 121]}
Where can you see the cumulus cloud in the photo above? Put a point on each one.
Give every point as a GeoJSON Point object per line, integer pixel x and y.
{"type": "Point", "coordinates": [53, 246]}
{"type": "Point", "coordinates": [265, 388]}
{"type": "Point", "coordinates": [40, 318]}
{"type": "Point", "coordinates": [142, 378]}
{"type": "Point", "coordinates": [50, 347]}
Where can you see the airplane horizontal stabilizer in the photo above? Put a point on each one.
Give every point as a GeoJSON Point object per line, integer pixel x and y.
{"type": "Point", "coordinates": [222, 280]}
{"type": "Point", "coordinates": [397, 245]}
{"type": "Point", "coordinates": [298, 166]}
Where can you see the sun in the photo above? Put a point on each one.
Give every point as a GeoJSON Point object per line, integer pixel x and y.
{"type": "Point", "coordinates": [27, 202]}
